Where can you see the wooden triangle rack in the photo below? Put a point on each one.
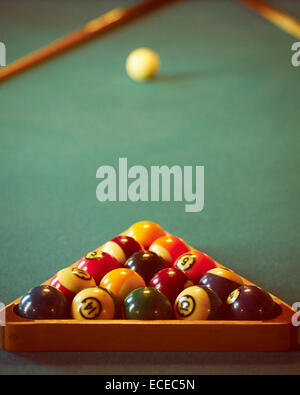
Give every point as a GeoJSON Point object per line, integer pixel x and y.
{"type": "Point", "coordinates": [21, 334]}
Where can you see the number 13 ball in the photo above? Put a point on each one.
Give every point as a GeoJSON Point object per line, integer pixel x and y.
{"type": "Point", "coordinates": [169, 248]}
{"type": "Point", "coordinates": [142, 64]}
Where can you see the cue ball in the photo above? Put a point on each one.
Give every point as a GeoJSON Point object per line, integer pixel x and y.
{"type": "Point", "coordinates": [142, 64]}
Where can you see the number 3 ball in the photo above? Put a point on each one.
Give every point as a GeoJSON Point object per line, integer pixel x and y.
{"type": "Point", "coordinates": [121, 282]}
{"type": "Point", "coordinates": [97, 263]}
{"type": "Point", "coordinates": [72, 280]}
{"type": "Point", "coordinates": [121, 247]}
{"type": "Point", "coordinates": [222, 281]}
{"type": "Point", "coordinates": [198, 303]}
{"type": "Point", "coordinates": [93, 303]}
{"type": "Point", "coordinates": [250, 302]}
{"type": "Point", "coordinates": [145, 232]}
{"type": "Point", "coordinates": [195, 264]}
{"type": "Point", "coordinates": [169, 248]}
{"type": "Point", "coordinates": [44, 302]}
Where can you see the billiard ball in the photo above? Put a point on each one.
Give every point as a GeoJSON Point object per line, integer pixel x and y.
{"type": "Point", "coordinates": [121, 247]}
{"type": "Point", "coordinates": [44, 303]}
{"type": "Point", "coordinates": [145, 232]}
{"type": "Point", "coordinates": [250, 302]}
{"type": "Point", "coordinates": [195, 264]}
{"type": "Point", "coordinates": [97, 263]}
{"type": "Point", "coordinates": [170, 281]}
{"type": "Point", "coordinates": [198, 303]}
{"type": "Point", "coordinates": [71, 280]}
{"type": "Point", "coordinates": [147, 303]}
{"type": "Point", "coordinates": [222, 281]}
{"type": "Point", "coordinates": [169, 248]}
{"type": "Point", "coordinates": [142, 64]}
{"type": "Point", "coordinates": [94, 303]}
{"type": "Point", "coordinates": [121, 282]}
{"type": "Point", "coordinates": [146, 264]}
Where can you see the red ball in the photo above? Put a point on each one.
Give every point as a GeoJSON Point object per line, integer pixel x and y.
{"type": "Point", "coordinates": [97, 264]}
{"type": "Point", "coordinates": [169, 248]}
{"type": "Point", "coordinates": [195, 264]}
{"type": "Point", "coordinates": [170, 282]}
{"type": "Point", "coordinates": [72, 280]}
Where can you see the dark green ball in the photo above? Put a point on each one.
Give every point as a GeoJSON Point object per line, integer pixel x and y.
{"type": "Point", "coordinates": [147, 303]}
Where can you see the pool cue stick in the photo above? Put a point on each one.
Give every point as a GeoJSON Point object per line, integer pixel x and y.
{"type": "Point", "coordinates": [97, 26]}
{"type": "Point", "coordinates": [277, 17]}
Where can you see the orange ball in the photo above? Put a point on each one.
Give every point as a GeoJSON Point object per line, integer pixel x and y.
{"type": "Point", "coordinates": [169, 248]}
{"type": "Point", "coordinates": [145, 232]}
{"type": "Point", "coordinates": [120, 282]}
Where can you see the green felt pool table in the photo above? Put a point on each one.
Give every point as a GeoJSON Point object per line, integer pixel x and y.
{"type": "Point", "coordinates": [226, 98]}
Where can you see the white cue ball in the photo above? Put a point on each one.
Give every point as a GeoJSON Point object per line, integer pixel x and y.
{"type": "Point", "coordinates": [142, 64]}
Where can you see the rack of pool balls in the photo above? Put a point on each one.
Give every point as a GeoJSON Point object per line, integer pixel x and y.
{"type": "Point", "coordinates": [146, 274]}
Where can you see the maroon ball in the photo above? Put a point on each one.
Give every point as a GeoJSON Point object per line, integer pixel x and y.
{"type": "Point", "coordinates": [146, 264]}
{"type": "Point", "coordinates": [170, 281]}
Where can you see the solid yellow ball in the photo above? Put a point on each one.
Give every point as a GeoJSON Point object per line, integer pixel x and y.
{"type": "Point", "coordinates": [142, 64]}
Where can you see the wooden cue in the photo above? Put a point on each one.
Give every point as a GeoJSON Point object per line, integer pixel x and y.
{"type": "Point", "coordinates": [277, 17]}
{"type": "Point", "coordinates": [98, 26]}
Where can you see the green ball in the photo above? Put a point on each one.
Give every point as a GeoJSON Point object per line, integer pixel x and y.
{"type": "Point", "coordinates": [147, 303]}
